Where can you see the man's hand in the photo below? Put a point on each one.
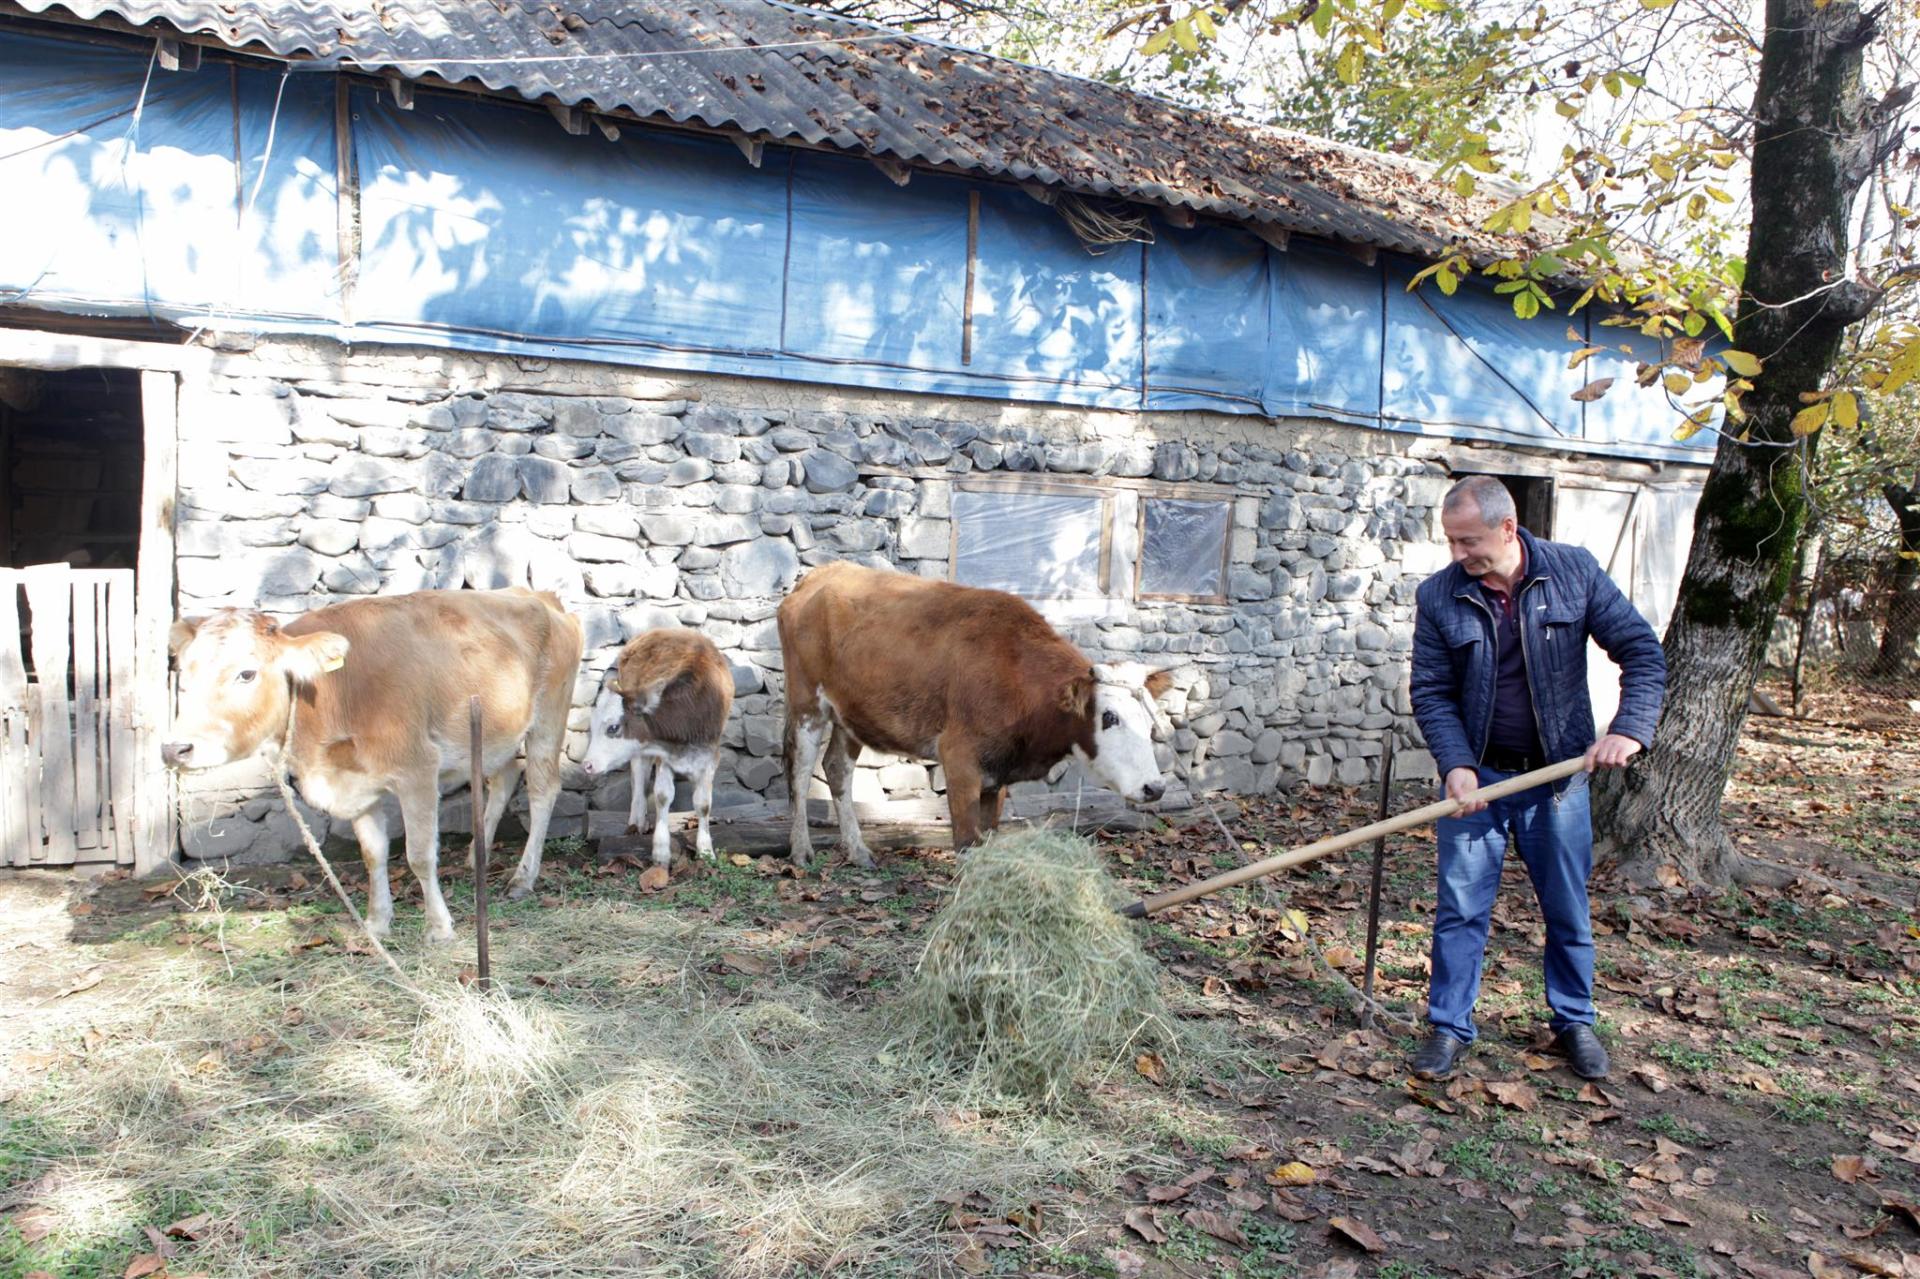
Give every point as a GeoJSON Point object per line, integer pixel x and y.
{"type": "Point", "coordinates": [1461, 784]}
{"type": "Point", "coordinates": [1611, 751]}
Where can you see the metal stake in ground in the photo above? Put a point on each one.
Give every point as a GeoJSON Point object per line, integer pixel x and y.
{"type": "Point", "coordinates": [480, 849]}
{"type": "Point", "coordinates": [1379, 867]}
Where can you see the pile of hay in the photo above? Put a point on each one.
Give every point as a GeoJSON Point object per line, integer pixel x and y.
{"type": "Point", "coordinates": [1029, 975]}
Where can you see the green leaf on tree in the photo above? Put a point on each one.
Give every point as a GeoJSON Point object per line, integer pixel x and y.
{"type": "Point", "coordinates": [1348, 66]}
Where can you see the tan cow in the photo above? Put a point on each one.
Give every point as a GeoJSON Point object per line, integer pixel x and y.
{"type": "Point", "coordinates": [376, 691]}
{"type": "Point", "coordinates": [663, 707]}
{"type": "Point", "coordinates": [976, 679]}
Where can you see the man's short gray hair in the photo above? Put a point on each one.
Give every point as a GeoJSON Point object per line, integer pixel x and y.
{"type": "Point", "coordinates": [1486, 494]}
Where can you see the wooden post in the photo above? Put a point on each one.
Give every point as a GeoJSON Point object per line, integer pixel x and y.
{"type": "Point", "coordinates": [346, 177]}
{"type": "Point", "coordinates": [18, 784]}
{"type": "Point", "coordinates": [50, 597]}
{"type": "Point", "coordinates": [966, 304]}
{"type": "Point", "coordinates": [123, 760]}
{"type": "Point", "coordinates": [87, 808]}
{"type": "Point", "coordinates": [1807, 577]}
{"type": "Point", "coordinates": [153, 832]}
{"type": "Point", "coordinates": [1379, 871]}
{"type": "Point", "coordinates": [477, 759]}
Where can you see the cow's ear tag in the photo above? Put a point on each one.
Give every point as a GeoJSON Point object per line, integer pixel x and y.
{"type": "Point", "coordinates": [332, 662]}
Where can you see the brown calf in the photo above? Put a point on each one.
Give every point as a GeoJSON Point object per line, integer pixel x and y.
{"type": "Point", "coordinates": [663, 706]}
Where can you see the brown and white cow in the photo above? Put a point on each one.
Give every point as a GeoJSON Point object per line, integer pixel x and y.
{"type": "Point", "coordinates": [662, 708]}
{"type": "Point", "coordinates": [377, 690]}
{"type": "Point", "coordinates": [975, 679]}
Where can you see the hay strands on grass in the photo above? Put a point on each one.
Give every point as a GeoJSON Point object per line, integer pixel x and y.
{"type": "Point", "coordinates": [1337, 843]}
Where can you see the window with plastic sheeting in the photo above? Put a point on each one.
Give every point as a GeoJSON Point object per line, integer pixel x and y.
{"type": "Point", "coordinates": [1032, 540]}
{"type": "Point", "coordinates": [1183, 549]}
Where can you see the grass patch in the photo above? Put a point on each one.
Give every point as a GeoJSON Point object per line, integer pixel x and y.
{"type": "Point", "coordinates": [1676, 1129]}
{"type": "Point", "coordinates": [1479, 1158]}
{"type": "Point", "coordinates": [1805, 1102]}
{"type": "Point", "coordinates": [1269, 1252]}
{"type": "Point", "coordinates": [1686, 1057]}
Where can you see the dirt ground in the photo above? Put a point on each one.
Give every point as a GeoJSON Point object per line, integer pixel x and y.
{"type": "Point", "coordinates": [1762, 1118]}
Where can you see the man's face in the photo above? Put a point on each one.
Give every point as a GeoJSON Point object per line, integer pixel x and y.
{"type": "Point", "coordinates": [1477, 548]}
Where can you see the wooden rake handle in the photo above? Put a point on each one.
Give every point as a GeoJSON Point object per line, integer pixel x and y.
{"type": "Point", "coordinates": [1335, 843]}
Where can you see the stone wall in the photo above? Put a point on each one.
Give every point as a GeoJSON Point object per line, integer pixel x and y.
{"type": "Point", "coordinates": [699, 502]}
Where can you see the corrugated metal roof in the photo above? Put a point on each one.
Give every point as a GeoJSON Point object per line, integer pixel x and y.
{"type": "Point", "coordinates": [785, 73]}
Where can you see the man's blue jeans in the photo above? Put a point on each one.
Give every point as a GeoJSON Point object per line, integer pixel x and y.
{"type": "Point", "coordinates": [1555, 837]}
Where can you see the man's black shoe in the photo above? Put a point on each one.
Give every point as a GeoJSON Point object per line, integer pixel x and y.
{"type": "Point", "coordinates": [1583, 1050]}
{"type": "Point", "coordinates": [1439, 1055]}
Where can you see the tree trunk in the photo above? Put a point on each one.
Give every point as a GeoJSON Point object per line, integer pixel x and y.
{"type": "Point", "coordinates": [1813, 147]}
{"type": "Point", "coordinates": [1902, 633]}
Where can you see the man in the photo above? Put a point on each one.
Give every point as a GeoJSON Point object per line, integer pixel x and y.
{"type": "Point", "coordinates": [1500, 687]}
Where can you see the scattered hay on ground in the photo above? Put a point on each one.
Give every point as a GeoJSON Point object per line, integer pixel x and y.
{"type": "Point", "coordinates": [1029, 975]}
{"type": "Point", "coordinates": [631, 1104]}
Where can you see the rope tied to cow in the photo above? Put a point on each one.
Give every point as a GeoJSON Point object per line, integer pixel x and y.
{"type": "Point", "coordinates": [280, 779]}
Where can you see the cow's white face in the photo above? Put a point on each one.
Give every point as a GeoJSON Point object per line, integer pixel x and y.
{"type": "Point", "coordinates": [1124, 719]}
{"type": "Point", "coordinates": [608, 746]}
{"type": "Point", "coordinates": [237, 669]}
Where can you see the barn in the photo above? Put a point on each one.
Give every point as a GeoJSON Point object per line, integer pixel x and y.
{"type": "Point", "coordinates": [655, 308]}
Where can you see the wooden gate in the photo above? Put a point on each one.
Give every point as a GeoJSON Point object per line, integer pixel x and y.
{"type": "Point", "coordinates": [66, 716]}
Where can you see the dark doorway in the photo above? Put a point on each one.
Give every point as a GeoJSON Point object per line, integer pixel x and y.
{"type": "Point", "coordinates": [71, 454]}
{"type": "Point", "coordinates": [70, 467]}
{"type": "Point", "coordinates": [1532, 501]}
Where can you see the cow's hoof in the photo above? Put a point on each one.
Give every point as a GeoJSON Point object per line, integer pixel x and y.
{"type": "Point", "coordinates": [516, 890]}
{"type": "Point", "coordinates": [437, 937]}
{"type": "Point", "coordinates": [705, 852]}
{"type": "Point", "coordinates": [380, 928]}
{"type": "Point", "coordinates": [861, 856]}
{"type": "Point", "coordinates": [801, 858]}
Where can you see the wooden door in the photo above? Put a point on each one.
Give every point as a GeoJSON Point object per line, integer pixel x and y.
{"type": "Point", "coordinates": [66, 716]}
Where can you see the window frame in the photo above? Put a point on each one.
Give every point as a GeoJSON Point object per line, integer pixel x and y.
{"type": "Point", "coordinates": [1050, 487]}
{"type": "Point", "coordinates": [1184, 493]}
{"type": "Point", "coordinates": [1123, 502]}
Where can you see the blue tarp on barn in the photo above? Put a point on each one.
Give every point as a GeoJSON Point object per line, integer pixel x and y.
{"type": "Point", "coordinates": [211, 198]}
